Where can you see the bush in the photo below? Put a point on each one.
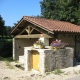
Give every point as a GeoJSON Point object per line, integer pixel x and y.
{"type": "Point", "coordinates": [6, 48]}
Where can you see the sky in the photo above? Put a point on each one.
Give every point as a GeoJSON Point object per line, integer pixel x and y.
{"type": "Point", "coordinates": [13, 10]}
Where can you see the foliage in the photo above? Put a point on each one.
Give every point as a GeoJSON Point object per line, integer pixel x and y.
{"type": "Point", "coordinates": [58, 44]}
{"type": "Point", "coordinates": [8, 30]}
{"type": "Point", "coordinates": [6, 48]}
{"type": "Point", "coordinates": [2, 27]}
{"type": "Point", "coordinates": [5, 44]}
{"type": "Point", "coordinates": [4, 30]}
{"type": "Point", "coordinates": [38, 43]}
{"type": "Point", "coordinates": [64, 10]}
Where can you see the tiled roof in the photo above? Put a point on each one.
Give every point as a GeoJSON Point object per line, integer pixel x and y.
{"type": "Point", "coordinates": [53, 25]}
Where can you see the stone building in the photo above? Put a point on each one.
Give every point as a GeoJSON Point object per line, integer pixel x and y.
{"type": "Point", "coordinates": [29, 29]}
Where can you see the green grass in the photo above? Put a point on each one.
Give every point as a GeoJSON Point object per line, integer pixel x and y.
{"type": "Point", "coordinates": [9, 65]}
{"type": "Point", "coordinates": [7, 61]}
{"type": "Point", "coordinates": [16, 61]}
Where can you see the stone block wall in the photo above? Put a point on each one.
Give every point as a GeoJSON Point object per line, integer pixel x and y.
{"type": "Point", "coordinates": [49, 59]}
{"type": "Point", "coordinates": [58, 59]}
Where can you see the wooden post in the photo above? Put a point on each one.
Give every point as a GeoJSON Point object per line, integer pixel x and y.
{"type": "Point", "coordinates": [14, 49]}
{"type": "Point", "coordinates": [75, 47]}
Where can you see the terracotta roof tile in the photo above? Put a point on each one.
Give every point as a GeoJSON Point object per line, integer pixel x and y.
{"type": "Point", "coordinates": [53, 25]}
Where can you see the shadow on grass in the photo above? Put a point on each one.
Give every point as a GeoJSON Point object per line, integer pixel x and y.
{"type": "Point", "coordinates": [6, 59]}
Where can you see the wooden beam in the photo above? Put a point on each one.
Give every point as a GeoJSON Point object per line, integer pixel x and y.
{"type": "Point", "coordinates": [22, 30]}
{"type": "Point", "coordinates": [32, 36]}
{"type": "Point", "coordinates": [41, 30]}
{"type": "Point", "coordinates": [28, 30]}
{"type": "Point", "coordinates": [31, 30]}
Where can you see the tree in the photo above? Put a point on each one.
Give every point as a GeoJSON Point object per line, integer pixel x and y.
{"type": "Point", "coordinates": [2, 27]}
{"type": "Point", "coordinates": [47, 7]}
{"type": "Point", "coordinates": [64, 10]}
{"type": "Point", "coordinates": [8, 30]}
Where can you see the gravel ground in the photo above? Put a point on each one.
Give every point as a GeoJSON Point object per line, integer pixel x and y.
{"type": "Point", "coordinates": [6, 73]}
{"type": "Point", "coordinates": [75, 78]}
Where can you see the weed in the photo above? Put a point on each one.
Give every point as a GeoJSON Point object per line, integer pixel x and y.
{"type": "Point", "coordinates": [58, 71]}
{"type": "Point", "coordinates": [47, 73]}
{"type": "Point", "coordinates": [16, 61]}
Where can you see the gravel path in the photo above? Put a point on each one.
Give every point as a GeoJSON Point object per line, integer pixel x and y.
{"type": "Point", "coordinates": [6, 73]}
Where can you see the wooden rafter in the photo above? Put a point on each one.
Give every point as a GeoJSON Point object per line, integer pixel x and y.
{"type": "Point", "coordinates": [28, 30]}
{"type": "Point", "coordinates": [31, 30]}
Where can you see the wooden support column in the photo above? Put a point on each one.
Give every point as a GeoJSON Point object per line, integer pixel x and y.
{"type": "Point", "coordinates": [14, 49]}
{"type": "Point", "coordinates": [29, 30]}
{"type": "Point", "coordinates": [75, 47]}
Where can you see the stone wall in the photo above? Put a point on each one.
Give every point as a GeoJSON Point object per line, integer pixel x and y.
{"type": "Point", "coordinates": [49, 59]}
{"type": "Point", "coordinates": [62, 58]}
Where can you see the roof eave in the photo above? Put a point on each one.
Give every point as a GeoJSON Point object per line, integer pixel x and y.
{"type": "Point", "coordinates": [17, 25]}
{"type": "Point", "coordinates": [39, 25]}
